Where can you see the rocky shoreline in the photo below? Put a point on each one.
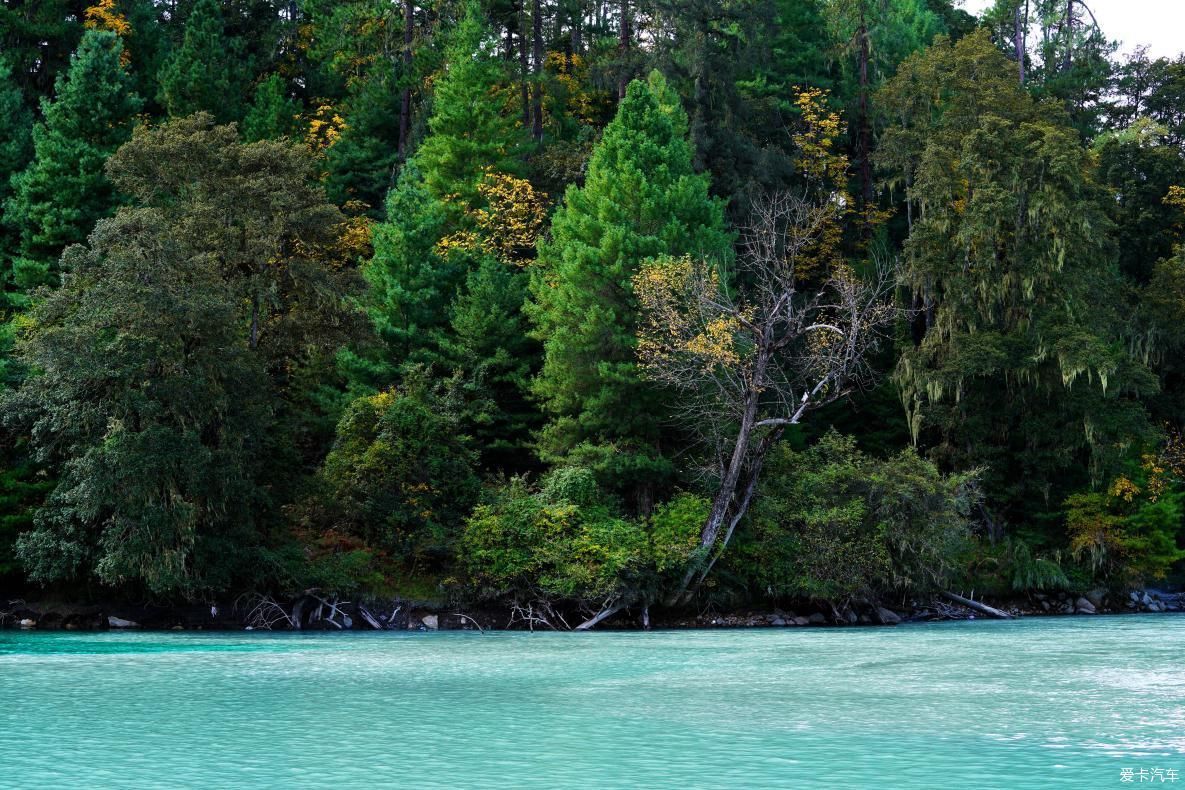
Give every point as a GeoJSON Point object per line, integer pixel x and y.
{"type": "Point", "coordinates": [312, 612]}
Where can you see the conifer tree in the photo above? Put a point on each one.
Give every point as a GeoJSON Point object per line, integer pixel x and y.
{"type": "Point", "coordinates": [273, 114]}
{"type": "Point", "coordinates": [641, 199]}
{"type": "Point", "coordinates": [470, 130]}
{"type": "Point", "coordinates": [202, 74]}
{"type": "Point", "coordinates": [58, 198]}
{"type": "Point", "coordinates": [16, 147]}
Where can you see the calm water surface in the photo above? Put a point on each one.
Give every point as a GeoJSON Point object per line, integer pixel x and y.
{"type": "Point", "coordinates": [1068, 702]}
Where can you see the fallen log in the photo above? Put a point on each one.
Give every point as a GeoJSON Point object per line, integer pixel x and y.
{"type": "Point", "coordinates": [977, 606]}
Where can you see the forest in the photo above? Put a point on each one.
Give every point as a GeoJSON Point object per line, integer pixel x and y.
{"type": "Point", "coordinates": [587, 306]}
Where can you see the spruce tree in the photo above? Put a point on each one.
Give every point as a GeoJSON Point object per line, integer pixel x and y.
{"type": "Point", "coordinates": [641, 199]}
{"type": "Point", "coordinates": [58, 198]}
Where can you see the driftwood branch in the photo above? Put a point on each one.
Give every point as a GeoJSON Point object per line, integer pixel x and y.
{"type": "Point", "coordinates": [470, 619]}
{"type": "Point", "coordinates": [604, 614]}
{"type": "Point", "coordinates": [370, 619]}
{"type": "Point", "coordinates": [977, 606]}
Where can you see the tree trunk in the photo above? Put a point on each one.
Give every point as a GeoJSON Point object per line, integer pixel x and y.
{"type": "Point", "coordinates": [1067, 58]}
{"type": "Point", "coordinates": [405, 100]}
{"type": "Point", "coordinates": [1020, 25]}
{"type": "Point", "coordinates": [864, 138]}
{"type": "Point", "coordinates": [623, 49]}
{"type": "Point", "coordinates": [537, 54]}
{"type": "Point", "coordinates": [523, 67]}
{"type": "Point", "coordinates": [726, 493]}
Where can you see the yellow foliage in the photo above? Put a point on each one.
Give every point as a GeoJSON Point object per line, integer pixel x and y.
{"type": "Point", "coordinates": [1124, 489]}
{"type": "Point", "coordinates": [816, 140]}
{"type": "Point", "coordinates": [105, 16]}
{"type": "Point", "coordinates": [514, 216]}
{"type": "Point", "coordinates": [508, 226]}
{"type": "Point", "coordinates": [826, 169]}
{"type": "Point", "coordinates": [667, 291]}
{"type": "Point", "coordinates": [1166, 466]}
{"type": "Point", "coordinates": [716, 345]}
{"type": "Point", "coordinates": [571, 72]}
{"type": "Point", "coordinates": [325, 128]}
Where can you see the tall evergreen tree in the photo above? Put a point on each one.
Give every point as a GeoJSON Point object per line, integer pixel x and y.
{"type": "Point", "coordinates": [58, 198]}
{"type": "Point", "coordinates": [471, 129]}
{"type": "Point", "coordinates": [204, 73]}
{"type": "Point", "coordinates": [641, 199]}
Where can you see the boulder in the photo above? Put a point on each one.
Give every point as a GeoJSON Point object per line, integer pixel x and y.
{"type": "Point", "coordinates": [1096, 598]}
{"type": "Point", "coordinates": [431, 622]}
{"type": "Point", "coordinates": [119, 622]}
{"type": "Point", "coordinates": [1083, 606]}
{"type": "Point", "coordinates": [28, 623]}
{"type": "Point", "coordinates": [777, 621]}
{"type": "Point", "coordinates": [1146, 599]}
{"type": "Point", "coordinates": [801, 621]}
{"type": "Point", "coordinates": [886, 616]}
{"type": "Point", "coordinates": [817, 619]}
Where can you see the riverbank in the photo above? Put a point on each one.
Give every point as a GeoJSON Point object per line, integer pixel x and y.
{"type": "Point", "coordinates": [312, 611]}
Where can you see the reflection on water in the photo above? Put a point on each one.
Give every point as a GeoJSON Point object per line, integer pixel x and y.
{"type": "Point", "coordinates": [1069, 702]}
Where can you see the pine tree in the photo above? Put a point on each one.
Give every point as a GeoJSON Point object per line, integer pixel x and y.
{"type": "Point", "coordinates": [412, 280]}
{"type": "Point", "coordinates": [204, 73]}
{"type": "Point", "coordinates": [471, 129]}
{"type": "Point", "coordinates": [641, 199]}
{"type": "Point", "coordinates": [58, 198]}
{"type": "Point", "coordinates": [273, 114]}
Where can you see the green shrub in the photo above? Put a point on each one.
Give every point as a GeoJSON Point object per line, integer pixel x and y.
{"type": "Point", "coordinates": [834, 523]}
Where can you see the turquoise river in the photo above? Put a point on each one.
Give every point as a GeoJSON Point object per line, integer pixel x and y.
{"type": "Point", "coordinates": [1070, 702]}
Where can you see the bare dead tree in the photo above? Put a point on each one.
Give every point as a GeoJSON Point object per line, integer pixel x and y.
{"type": "Point", "coordinates": [748, 365]}
{"type": "Point", "coordinates": [262, 612]}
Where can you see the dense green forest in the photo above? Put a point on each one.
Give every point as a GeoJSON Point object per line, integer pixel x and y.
{"type": "Point", "coordinates": [585, 304]}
